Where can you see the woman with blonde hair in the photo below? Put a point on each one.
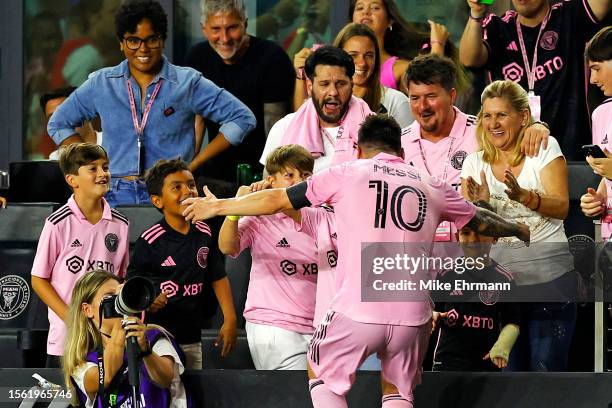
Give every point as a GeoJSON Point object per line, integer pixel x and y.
{"type": "Point", "coordinates": [95, 349]}
{"type": "Point", "coordinates": [534, 191]}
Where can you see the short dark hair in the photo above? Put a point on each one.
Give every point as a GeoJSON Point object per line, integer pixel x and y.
{"type": "Point", "coordinates": [54, 94]}
{"type": "Point", "coordinates": [329, 55]}
{"type": "Point", "coordinates": [599, 48]}
{"type": "Point", "coordinates": [75, 155]}
{"type": "Point", "coordinates": [432, 69]}
{"type": "Point", "coordinates": [381, 132]}
{"type": "Point", "coordinates": [132, 12]}
{"type": "Point", "coordinates": [155, 176]}
{"type": "Point", "coordinates": [290, 156]}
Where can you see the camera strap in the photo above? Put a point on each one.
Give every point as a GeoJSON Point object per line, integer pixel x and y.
{"type": "Point", "coordinates": [101, 365]}
{"type": "Point", "coordinates": [101, 375]}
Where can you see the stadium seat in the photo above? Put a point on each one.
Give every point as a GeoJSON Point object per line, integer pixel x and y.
{"type": "Point", "coordinates": [21, 311]}
{"type": "Point", "coordinates": [141, 217]}
{"type": "Point", "coordinates": [239, 358]}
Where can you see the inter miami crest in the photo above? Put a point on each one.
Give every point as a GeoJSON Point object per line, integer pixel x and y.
{"type": "Point", "coordinates": [14, 296]}
{"type": "Point", "coordinates": [457, 159]}
{"type": "Point", "coordinates": [112, 242]}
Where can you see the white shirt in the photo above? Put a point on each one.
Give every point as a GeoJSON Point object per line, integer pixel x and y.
{"type": "Point", "coordinates": [538, 263]}
{"type": "Point", "coordinates": [398, 106]}
{"type": "Point", "coordinates": [279, 129]}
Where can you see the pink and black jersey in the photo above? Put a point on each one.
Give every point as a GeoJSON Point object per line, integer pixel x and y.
{"type": "Point", "coordinates": [70, 246]}
{"type": "Point", "coordinates": [602, 136]}
{"type": "Point", "coordinates": [320, 224]}
{"type": "Point", "coordinates": [380, 200]}
{"type": "Point", "coordinates": [284, 270]}
{"type": "Point", "coordinates": [560, 69]}
{"type": "Point", "coordinates": [182, 266]}
{"type": "Point", "coordinates": [442, 159]}
{"type": "Point", "coordinates": [474, 319]}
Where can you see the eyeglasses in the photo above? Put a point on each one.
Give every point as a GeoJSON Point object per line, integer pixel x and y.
{"type": "Point", "coordinates": [134, 43]}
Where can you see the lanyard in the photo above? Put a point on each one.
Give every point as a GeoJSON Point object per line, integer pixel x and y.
{"type": "Point", "coordinates": [445, 171]}
{"type": "Point", "coordinates": [139, 127]}
{"type": "Point", "coordinates": [531, 69]}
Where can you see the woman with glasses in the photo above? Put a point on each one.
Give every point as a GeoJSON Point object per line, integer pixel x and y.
{"type": "Point", "coordinates": [148, 105]}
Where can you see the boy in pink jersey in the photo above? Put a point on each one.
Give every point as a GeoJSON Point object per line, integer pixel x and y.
{"type": "Point", "coordinates": [83, 235]}
{"type": "Point", "coordinates": [353, 329]}
{"type": "Point", "coordinates": [599, 203]}
{"type": "Point", "coordinates": [283, 280]}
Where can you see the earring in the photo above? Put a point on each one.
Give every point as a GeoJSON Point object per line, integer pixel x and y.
{"type": "Point", "coordinates": [391, 28]}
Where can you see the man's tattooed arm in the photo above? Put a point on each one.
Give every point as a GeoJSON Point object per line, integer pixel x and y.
{"type": "Point", "coordinates": [488, 223]}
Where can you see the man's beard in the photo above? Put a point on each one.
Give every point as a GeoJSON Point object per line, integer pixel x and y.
{"type": "Point", "coordinates": [327, 118]}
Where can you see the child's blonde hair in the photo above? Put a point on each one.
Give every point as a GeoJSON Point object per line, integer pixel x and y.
{"type": "Point", "coordinates": [291, 155]}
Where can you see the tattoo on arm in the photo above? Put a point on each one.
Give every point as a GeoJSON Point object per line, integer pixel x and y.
{"type": "Point", "coordinates": [492, 225]}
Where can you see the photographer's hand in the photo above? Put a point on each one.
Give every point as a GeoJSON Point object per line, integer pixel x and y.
{"type": "Point", "coordinates": [135, 328]}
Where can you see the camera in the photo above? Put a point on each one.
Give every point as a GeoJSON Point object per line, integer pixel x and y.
{"type": "Point", "coordinates": [136, 295]}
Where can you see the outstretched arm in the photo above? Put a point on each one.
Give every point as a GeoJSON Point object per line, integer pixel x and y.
{"type": "Point", "coordinates": [259, 203]}
{"type": "Point", "coordinates": [492, 225]}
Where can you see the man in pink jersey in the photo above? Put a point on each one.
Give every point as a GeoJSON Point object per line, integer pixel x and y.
{"type": "Point", "coordinates": [377, 199]}
{"type": "Point", "coordinates": [442, 136]}
{"type": "Point", "coordinates": [599, 203]}
{"type": "Point", "coordinates": [83, 235]}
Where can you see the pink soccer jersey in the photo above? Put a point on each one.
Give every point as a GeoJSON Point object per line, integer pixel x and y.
{"type": "Point", "coordinates": [443, 159]}
{"type": "Point", "coordinates": [320, 224]}
{"type": "Point", "coordinates": [602, 135]}
{"type": "Point", "coordinates": [357, 191]}
{"type": "Point", "coordinates": [284, 270]}
{"type": "Point", "coordinates": [70, 246]}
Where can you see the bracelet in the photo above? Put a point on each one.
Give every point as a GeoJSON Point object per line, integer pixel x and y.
{"type": "Point", "coordinates": [540, 122]}
{"type": "Point", "coordinates": [299, 74]}
{"type": "Point", "coordinates": [437, 42]}
{"type": "Point", "coordinates": [233, 217]}
{"type": "Point", "coordinates": [528, 201]}
{"type": "Point", "coordinates": [539, 202]}
{"type": "Point", "coordinates": [479, 19]}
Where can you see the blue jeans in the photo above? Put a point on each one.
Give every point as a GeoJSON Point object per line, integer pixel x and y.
{"type": "Point", "coordinates": [546, 331]}
{"type": "Point", "coordinates": [124, 192]}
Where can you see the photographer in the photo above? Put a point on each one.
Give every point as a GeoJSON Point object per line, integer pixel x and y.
{"type": "Point", "coordinates": [93, 333]}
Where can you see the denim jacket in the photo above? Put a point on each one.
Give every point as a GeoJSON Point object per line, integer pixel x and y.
{"type": "Point", "coordinates": [169, 131]}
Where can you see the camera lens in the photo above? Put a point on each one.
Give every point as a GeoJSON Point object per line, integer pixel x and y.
{"type": "Point", "coordinates": [136, 295]}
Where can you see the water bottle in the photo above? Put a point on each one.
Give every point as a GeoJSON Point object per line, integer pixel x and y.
{"type": "Point", "coordinates": [244, 174]}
